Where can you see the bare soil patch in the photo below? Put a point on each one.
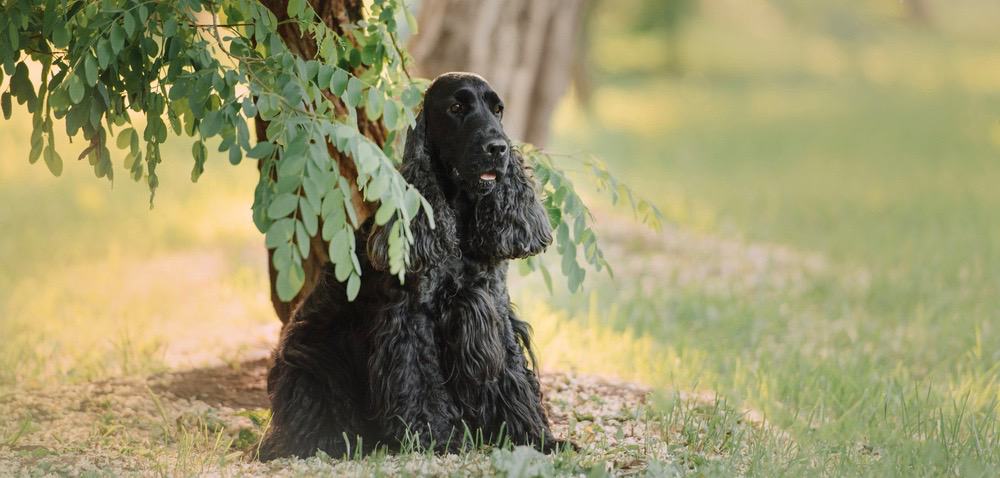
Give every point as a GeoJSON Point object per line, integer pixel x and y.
{"type": "Point", "coordinates": [210, 420]}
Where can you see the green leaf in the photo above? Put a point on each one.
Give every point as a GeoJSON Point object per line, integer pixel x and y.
{"type": "Point", "coordinates": [353, 94]}
{"type": "Point", "coordinates": [289, 281]}
{"type": "Point", "coordinates": [334, 215]}
{"type": "Point", "coordinates": [117, 38]}
{"type": "Point", "coordinates": [339, 250]}
{"type": "Point", "coordinates": [367, 158]}
{"type": "Point", "coordinates": [104, 54]}
{"type": "Point", "coordinates": [338, 82]}
{"type": "Point", "coordinates": [198, 150]}
{"type": "Point", "coordinates": [53, 161]}
{"type": "Point", "coordinates": [385, 211]}
{"type": "Point", "coordinates": [412, 96]}
{"type": "Point", "coordinates": [235, 154]}
{"type": "Point", "coordinates": [261, 150]}
{"type": "Point", "coordinates": [369, 54]}
{"type": "Point", "coordinates": [575, 279]}
{"type": "Point", "coordinates": [211, 124]}
{"type": "Point", "coordinates": [76, 89]}
{"type": "Point", "coordinates": [282, 205]}
{"type": "Point", "coordinates": [296, 8]}
{"type": "Point", "coordinates": [349, 205]}
{"type": "Point", "coordinates": [20, 85]}
{"type": "Point", "coordinates": [353, 287]}
{"type": "Point", "coordinates": [328, 50]}
{"type": "Point", "coordinates": [302, 239]}
{"type": "Point", "coordinates": [411, 202]}
{"type": "Point", "coordinates": [579, 227]}
{"type": "Point", "coordinates": [314, 193]}
{"type": "Point", "coordinates": [60, 35]}
{"type": "Point", "coordinates": [37, 145]}
{"type": "Point", "coordinates": [373, 107]}
{"type": "Point", "coordinates": [555, 215]}
{"type": "Point", "coordinates": [392, 115]}
{"type": "Point", "coordinates": [378, 185]}
{"type": "Point", "coordinates": [291, 165]}
{"type": "Point", "coordinates": [308, 216]}
{"type": "Point", "coordinates": [13, 37]}
{"type": "Point", "coordinates": [573, 204]}
{"type": "Point", "coordinates": [282, 258]}
{"type": "Point", "coordinates": [90, 70]}
{"type": "Point", "coordinates": [129, 23]}
{"type": "Point", "coordinates": [279, 232]}
{"type": "Point", "coordinates": [125, 138]}
{"type": "Point", "coordinates": [5, 105]}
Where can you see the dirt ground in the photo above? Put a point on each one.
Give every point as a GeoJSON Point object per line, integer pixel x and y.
{"type": "Point", "coordinates": [244, 387]}
{"type": "Point", "coordinates": [210, 420]}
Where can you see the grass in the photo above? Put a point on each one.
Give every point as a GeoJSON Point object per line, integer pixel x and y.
{"type": "Point", "coordinates": [831, 276]}
{"type": "Point", "coordinates": [884, 362]}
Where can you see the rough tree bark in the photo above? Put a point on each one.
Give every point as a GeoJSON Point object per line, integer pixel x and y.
{"type": "Point", "coordinates": [334, 13]}
{"type": "Point", "coordinates": [526, 49]}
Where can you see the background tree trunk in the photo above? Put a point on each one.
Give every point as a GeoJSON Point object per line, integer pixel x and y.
{"type": "Point", "coordinates": [526, 49]}
{"type": "Point", "coordinates": [918, 11]}
{"type": "Point", "coordinates": [334, 13]}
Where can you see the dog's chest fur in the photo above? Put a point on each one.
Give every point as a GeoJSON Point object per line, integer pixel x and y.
{"type": "Point", "coordinates": [471, 326]}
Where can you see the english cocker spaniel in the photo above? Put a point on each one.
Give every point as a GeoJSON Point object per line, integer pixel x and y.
{"type": "Point", "coordinates": [443, 355]}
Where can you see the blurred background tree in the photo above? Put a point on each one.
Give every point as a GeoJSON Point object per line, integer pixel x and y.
{"type": "Point", "coordinates": [527, 49]}
{"type": "Point", "coordinates": [532, 51]}
{"type": "Point", "coordinates": [666, 18]}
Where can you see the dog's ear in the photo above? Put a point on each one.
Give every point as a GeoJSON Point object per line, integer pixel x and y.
{"type": "Point", "coordinates": [431, 244]}
{"type": "Point", "coordinates": [510, 222]}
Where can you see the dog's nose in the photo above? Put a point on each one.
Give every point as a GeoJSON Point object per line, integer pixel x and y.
{"type": "Point", "coordinates": [496, 148]}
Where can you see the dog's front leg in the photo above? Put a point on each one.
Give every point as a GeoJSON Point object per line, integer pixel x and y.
{"type": "Point", "coordinates": [520, 408]}
{"type": "Point", "coordinates": [408, 389]}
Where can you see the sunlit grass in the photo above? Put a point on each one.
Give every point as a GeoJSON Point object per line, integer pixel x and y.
{"type": "Point", "coordinates": [881, 157]}
{"type": "Point", "coordinates": [833, 265]}
{"type": "Point", "coordinates": [96, 284]}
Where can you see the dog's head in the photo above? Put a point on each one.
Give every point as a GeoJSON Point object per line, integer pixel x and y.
{"type": "Point", "coordinates": [462, 116]}
{"type": "Point", "coordinates": [461, 160]}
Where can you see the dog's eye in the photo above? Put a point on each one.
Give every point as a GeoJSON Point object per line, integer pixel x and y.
{"type": "Point", "coordinates": [498, 109]}
{"type": "Point", "coordinates": [456, 108]}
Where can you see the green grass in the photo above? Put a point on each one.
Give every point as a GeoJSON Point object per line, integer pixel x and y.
{"type": "Point", "coordinates": [833, 265]}
{"type": "Point", "coordinates": [885, 362]}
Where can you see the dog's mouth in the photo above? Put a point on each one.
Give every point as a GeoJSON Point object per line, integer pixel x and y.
{"type": "Point", "coordinates": [487, 182]}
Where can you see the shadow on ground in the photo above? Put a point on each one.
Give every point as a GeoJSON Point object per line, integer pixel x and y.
{"type": "Point", "coordinates": [210, 421]}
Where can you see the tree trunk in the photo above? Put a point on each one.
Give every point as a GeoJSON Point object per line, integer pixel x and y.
{"type": "Point", "coordinates": [526, 49]}
{"type": "Point", "coordinates": [334, 13]}
{"type": "Point", "coordinates": [917, 11]}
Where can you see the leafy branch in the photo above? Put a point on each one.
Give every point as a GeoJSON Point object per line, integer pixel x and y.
{"type": "Point", "coordinates": [103, 60]}
{"type": "Point", "coordinates": [570, 217]}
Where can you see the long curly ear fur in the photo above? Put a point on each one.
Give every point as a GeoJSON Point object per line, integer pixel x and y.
{"type": "Point", "coordinates": [509, 223]}
{"type": "Point", "coordinates": [431, 244]}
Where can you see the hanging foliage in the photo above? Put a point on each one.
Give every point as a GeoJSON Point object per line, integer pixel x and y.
{"type": "Point", "coordinates": [134, 72]}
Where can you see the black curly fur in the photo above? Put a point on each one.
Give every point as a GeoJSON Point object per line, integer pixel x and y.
{"type": "Point", "coordinates": [445, 350]}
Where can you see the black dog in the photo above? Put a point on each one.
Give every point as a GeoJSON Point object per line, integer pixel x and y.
{"type": "Point", "coordinates": [443, 354]}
